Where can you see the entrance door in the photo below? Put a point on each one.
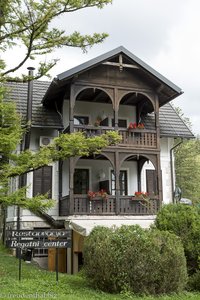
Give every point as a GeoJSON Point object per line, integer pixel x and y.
{"type": "Point", "coordinates": [81, 181]}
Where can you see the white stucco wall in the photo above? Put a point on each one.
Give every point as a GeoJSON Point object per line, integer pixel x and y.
{"type": "Point", "coordinates": [166, 145]}
{"type": "Point", "coordinates": [95, 168]}
{"type": "Point", "coordinates": [93, 110]}
{"type": "Point", "coordinates": [26, 215]}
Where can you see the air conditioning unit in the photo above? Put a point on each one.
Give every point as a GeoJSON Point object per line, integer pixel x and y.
{"type": "Point", "coordinates": [45, 141]}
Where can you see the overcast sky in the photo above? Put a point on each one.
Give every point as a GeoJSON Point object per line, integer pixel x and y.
{"type": "Point", "coordinates": [163, 33]}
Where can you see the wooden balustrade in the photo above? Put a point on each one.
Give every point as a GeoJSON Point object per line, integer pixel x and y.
{"type": "Point", "coordinates": [138, 206]}
{"type": "Point", "coordinates": [141, 138]}
{"type": "Point", "coordinates": [129, 205]}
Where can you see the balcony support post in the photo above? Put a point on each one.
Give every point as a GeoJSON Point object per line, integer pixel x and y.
{"type": "Point", "coordinates": [116, 108]}
{"type": "Point", "coordinates": [117, 186]}
{"type": "Point", "coordinates": [71, 109]}
{"type": "Point", "coordinates": [71, 185]}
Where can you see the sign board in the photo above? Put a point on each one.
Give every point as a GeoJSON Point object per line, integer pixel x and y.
{"type": "Point", "coordinates": [39, 238]}
{"type": "Point", "coordinates": [38, 244]}
{"type": "Point", "coordinates": [43, 238]}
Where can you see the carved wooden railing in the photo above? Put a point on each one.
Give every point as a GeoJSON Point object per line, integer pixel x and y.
{"type": "Point", "coordinates": [128, 205]}
{"type": "Point", "coordinates": [138, 137]}
{"type": "Point", "coordinates": [141, 138]}
{"type": "Point", "coordinates": [138, 206]}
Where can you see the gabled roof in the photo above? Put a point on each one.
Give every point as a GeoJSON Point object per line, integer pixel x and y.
{"type": "Point", "coordinates": [167, 89]}
{"type": "Point", "coordinates": [41, 116]}
{"type": "Point", "coordinates": [99, 59]}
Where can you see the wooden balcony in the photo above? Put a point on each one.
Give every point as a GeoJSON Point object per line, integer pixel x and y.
{"type": "Point", "coordinates": [139, 138]}
{"type": "Point", "coordinates": [128, 205]}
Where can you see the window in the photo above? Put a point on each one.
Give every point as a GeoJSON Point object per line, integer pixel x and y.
{"type": "Point", "coordinates": [81, 120]}
{"type": "Point", "coordinates": [42, 181]}
{"type": "Point", "coordinates": [81, 181]}
{"type": "Point", "coordinates": [121, 123]}
{"type": "Point", "coordinates": [122, 182]}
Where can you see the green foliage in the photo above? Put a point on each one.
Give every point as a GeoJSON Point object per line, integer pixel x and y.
{"type": "Point", "coordinates": [194, 282]}
{"type": "Point", "coordinates": [63, 147]}
{"type": "Point", "coordinates": [42, 284]}
{"type": "Point", "coordinates": [134, 260]}
{"type": "Point", "coordinates": [187, 167]}
{"type": "Point", "coordinates": [31, 23]}
{"type": "Point", "coordinates": [13, 164]}
{"type": "Point", "coordinates": [10, 125]}
{"type": "Point", "coordinates": [184, 221]}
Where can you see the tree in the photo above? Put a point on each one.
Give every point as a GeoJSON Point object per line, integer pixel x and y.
{"type": "Point", "coordinates": [13, 164]}
{"type": "Point", "coordinates": [187, 163]}
{"type": "Point", "coordinates": [187, 168]}
{"type": "Point", "coordinates": [31, 23]}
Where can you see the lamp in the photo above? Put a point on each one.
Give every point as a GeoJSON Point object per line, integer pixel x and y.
{"type": "Point", "coordinates": [101, 174]}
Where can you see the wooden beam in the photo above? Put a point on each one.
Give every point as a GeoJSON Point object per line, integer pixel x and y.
{"type": "Point", "coordinates": [118, 65]}
{"type": "Point", "coordinates": [97, 97]}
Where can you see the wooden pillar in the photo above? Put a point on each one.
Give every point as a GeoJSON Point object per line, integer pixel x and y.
{"type": "Point", "coordinates": [71, 159]}
{"type": "Point", "coordinates": [71, 109]}
{"type": "Point", "coordinates": [71, 185]}
{"type": "Point", "coordinates": [158, 163]}
{"type": "Point", "coordinates": [159, 179]}
{"type": "Point", "coordinates": [117, 186]}
{"type": "Point", "coordinates": [157, 121]}
{"type": "Point", "coordinates": [116, 108]}
{"type": "Point", "coordinates": [139, 175]}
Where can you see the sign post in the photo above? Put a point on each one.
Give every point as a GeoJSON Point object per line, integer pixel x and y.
{"type": "Point", "coordinates": [57, 265]}
{"type": "Point", "coordinates": [45, 238]}
{"type": "Point", "coordinates": [20, 263]}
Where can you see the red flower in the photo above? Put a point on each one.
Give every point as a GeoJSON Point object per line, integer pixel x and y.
{"type": "Point", "coordinates": [140, 194]}
{"type": "Point", "coordinates": [141, 125]}
{"type": "Point", "coordinates": [135, 125]}
{"type": "Point", "coordinates": [102, 193]}
{"type": "Point", "coordinates": [132, 126]}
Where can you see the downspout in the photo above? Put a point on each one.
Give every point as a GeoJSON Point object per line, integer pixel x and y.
{"type": "Point", "coordinates": [172, 167]}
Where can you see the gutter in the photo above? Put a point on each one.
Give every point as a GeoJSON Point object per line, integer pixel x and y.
{"type": "Point", "coordinates": [172, 167]}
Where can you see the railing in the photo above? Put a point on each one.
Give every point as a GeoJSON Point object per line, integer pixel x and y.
{"type": "Point", "coordinates": [141, 138]}
{"type": "Point", "coordinates": [138, 206]}
{"type": "Point", "coordinates": [128, 205]}
{"type": "Point", "coordinates": [138, 137]}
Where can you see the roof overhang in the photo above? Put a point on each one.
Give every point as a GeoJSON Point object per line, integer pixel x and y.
{"type": "Point", "coordinates": [84, 225]}
{"type": "Point", "coordinates": [166, 89]}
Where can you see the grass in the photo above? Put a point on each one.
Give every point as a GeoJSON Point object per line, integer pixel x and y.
{"type": "Point", "coordinates": [41, 284]}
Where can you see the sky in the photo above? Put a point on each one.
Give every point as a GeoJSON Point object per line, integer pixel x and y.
{"type": "Point", "coordinates": [163, 33]}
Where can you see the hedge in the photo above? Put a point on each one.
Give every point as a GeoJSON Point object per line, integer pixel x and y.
{"type": "Point", "coordinates": [132, 259]}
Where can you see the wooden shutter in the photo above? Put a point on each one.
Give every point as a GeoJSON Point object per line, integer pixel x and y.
{"type": "Point", "coordinates": [42, 181]}
{"type": "Point", "coordinates": [151, 180]}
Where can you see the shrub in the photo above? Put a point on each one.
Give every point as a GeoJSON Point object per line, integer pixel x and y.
{"type": "Point", "coordinates": [194, 282]}
{"type": "Point", "coordinates": [184, 221]}
{"type": "Point", "coordinates": [136, 260]}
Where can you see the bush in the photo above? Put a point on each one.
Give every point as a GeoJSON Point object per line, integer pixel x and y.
{"type": "Point", "coordinates": [136, 260]}
{"type": "Point", "coordinates": [184, 221]}
{"type": "Point", "coordinates": [194, 282]}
